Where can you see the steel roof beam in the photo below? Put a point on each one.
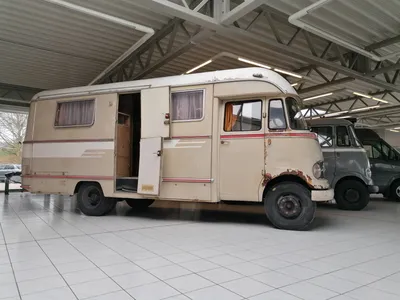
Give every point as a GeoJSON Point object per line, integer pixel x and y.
{"type": "Point", "coordinates": [240, 11]}
{"type": "Point", "coordinates": [383, 43]}
{"type": "Point", "coordinates": [326, 85]}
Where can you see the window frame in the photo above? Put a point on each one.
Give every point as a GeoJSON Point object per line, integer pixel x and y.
{"type": "Point", "coordinates": [284, 114]}
{"type": "Point", "coordinates": [332, 135]}
{"type": "Point", "coordinates": [185, 91]}
{"type": "Point", "coordinates": [242, 102]}
{"type": "Point", "coordinates": [336, 136]}
{"type": "Point", "coordinates": [72, 101]}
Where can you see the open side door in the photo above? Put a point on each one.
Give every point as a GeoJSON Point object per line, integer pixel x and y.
{"type": "Point", "coordinates": [150, 166]}
{"type": "Point", "coordinates": [155, 125]}
{"type": "Point", "coordinates": [155, 112]}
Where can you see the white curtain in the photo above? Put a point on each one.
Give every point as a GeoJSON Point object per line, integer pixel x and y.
{"type": "Point", "coordinates": [75, 113]}
{"type": "Point", "coordinates": [187, 105]}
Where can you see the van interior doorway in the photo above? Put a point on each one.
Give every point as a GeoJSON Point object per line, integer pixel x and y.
{"type": "Point", "coordinates": [128, 143]}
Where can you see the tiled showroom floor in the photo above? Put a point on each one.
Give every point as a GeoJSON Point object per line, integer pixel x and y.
{"type": "Point", "coordinates": [173, 251]}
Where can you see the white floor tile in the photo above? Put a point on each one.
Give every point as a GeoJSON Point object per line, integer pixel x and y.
{"type": "Point", "coordinates": [169, 272]}
{"type": "Point", "coordinates": [213, 292]}
{"type": "Point", "coordinates": [94, 288]}
{"type": "Point", "coordinates": [355, 276]}
{"type": "Point", "coordinates": [225, 260]}
{"type": "Point", "coordinates": [274, 295]}
{"type": "Point", "coordinates": [189, 283]}
{"type": "Point", "coordinates": [63, 293]}
{"type": "Point", "coordinates": [75, 266]}
{"type": "Point", "coordinates": [272, 263]}
{"type": "Point", "coordinates": [247, 287]}
{"type": "Point", "coordinates": [135, 279]}
{"type": "Point", "coordinates": [120, 269]}
{"type": "Point", "coordinates": [120, 295]}
{"type": "Point", "coordinates": [9, 290]}
{"type": "Point", "coordinates": [299, 272]}
{"type": "Point", "coordinates": [84, 276]}
{"type": "Point", "coordinates": [199, 265]}
{"type": "Point", "coordinates": [335, 284]}
{"type": "Point", "coordinates": [367, 293]}
{"type": "Point", "coordinates": [275, 279]}
{"type": "Point", "coordinates": [387, 285]}
{"type": "Point", "coordinates": [220, 275]}
{"type": "Point", "coordinates": [41, 284]}
{"type": "Point", "coordinates": [153, 263]}
{"type": "Point", "coordinates": [35, 273]}
{"type": "Point", "coordinates": [153, 291]}
{"type": "Point", "coordinates": [308, 291]}
{"type": "Point", "coordinates": [247, 268]}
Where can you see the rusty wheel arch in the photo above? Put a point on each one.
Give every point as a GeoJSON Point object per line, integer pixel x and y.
{"type": "Point", "coordinates": [270, 181]}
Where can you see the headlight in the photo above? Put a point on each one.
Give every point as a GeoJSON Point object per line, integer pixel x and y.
{"type": "Point", "coordinates": [368, 173]}
{"type": "Point", "coordinates": [318, 169]}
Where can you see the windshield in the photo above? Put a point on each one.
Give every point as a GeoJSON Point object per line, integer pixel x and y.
{"type": "Point", "coordinates": [296, 118]}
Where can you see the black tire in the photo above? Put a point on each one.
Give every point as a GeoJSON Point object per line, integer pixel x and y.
{"type": "Point", "coordinates": [139, 204]}
{"type": "Point", "coordinates": [395, 191]}
{"type": "Point", "coordinates": [288, 206]}
{"type": "Point", "coordinates": [351, 194]}
{"type": "Point", "coordinates": [91, 200]}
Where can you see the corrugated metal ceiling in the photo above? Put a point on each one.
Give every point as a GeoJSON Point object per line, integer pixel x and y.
{"type": "Point", "coordinates": [46, 46]}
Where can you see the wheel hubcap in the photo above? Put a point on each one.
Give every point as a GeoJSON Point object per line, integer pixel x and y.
{"type": "Point", "coordinates": [398, 191]}
{"type": "Point", "coordinates": [352, 195]}
{"type": "Point", "coordinates": [94, 198]}
{"type": "Point", "coordinates": [289, 206]}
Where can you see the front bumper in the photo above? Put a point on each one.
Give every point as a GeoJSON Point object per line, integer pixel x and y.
{"type": "Point", "coordinates": [373, 189]}
{"type": "Point", "coordinates": [322, 195]}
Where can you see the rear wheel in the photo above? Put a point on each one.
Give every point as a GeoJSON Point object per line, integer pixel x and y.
{"type": "Point", "coordinates": [91, 200]}
{"type": "Point", "coordinates": [288, 206]}
{"type": "Point", "coordinates": [351, 195]}
{"type": "Point", "coordinates": [395, 191]}
{"type": "Point", "coordinates": [139, 204]}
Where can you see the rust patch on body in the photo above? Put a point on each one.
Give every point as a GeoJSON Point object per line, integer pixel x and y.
{"type": "Point", "coordinates": [268, 177]}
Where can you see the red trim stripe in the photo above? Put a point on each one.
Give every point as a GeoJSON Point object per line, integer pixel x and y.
{"type": "Point", "coordinates": [86, 177]}
{"type": "Point", "coordinates": [273, 134]}
{"type": "Point", "coordinates": [69, 141]}
{"type": "Point", "coordinates": [188, 180]}
{"type": "Point", "coordinates": [192, 137]}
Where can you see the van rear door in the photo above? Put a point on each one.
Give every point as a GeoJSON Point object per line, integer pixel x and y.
{"type": "Point", "coordinates": [154, 127]}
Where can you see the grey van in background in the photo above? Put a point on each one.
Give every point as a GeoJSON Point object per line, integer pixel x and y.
{"type": "Point", "coordinates": [347, 167]}
{"type": "Point", "coordinates": [385, 162]}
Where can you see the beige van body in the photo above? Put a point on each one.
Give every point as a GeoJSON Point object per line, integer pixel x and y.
{"type": "Point", "coordinates": [196, 158]}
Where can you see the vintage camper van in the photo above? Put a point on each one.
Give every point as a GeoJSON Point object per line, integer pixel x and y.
{"type": "Point", "coordinates": [347, 167]}
{"type": "Point", "coordinates": [216, 136]}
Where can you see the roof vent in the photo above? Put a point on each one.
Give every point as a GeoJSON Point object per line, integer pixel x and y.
{"type": "Point", "coordinates": [259, 75]}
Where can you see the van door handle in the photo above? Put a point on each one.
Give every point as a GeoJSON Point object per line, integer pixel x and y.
{"type": "Point", "coordinates": [224, 142]}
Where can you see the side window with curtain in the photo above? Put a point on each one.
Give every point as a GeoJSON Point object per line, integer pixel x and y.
{"type": "Point", "coordinates": [243, 116]}
{"type": "Point", "coordinates": [276, 115]}
{"type": "Point", "coordinates": [342, 137]}
{"type": "Point", "coordinates": [187, 105]}
{"type": "Point", "coordinates": [75, 113]}
{"type": "Point", "coordinates": [325, 135]}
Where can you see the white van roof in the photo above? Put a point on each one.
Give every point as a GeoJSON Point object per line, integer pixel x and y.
{"type": "Point", "coordinates": [242, 74]}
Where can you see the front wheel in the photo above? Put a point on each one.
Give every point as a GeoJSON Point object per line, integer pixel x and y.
{"type": "Point", "coordinates": [91, 200]}
{"type": "Point", "coordinates": [395, 191]}
{"type": "Point", "coordinates": [351, 195]}
{"type": "Point", "coordinates": [288, 206]}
